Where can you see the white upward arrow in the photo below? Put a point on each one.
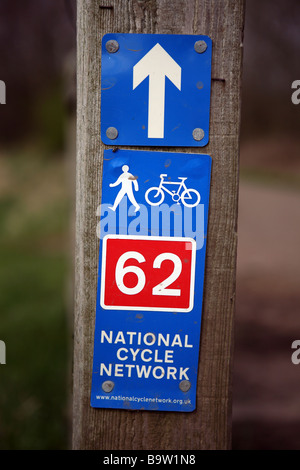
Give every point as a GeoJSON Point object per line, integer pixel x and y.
{"type": "Point", "coordinates": [158, 64]}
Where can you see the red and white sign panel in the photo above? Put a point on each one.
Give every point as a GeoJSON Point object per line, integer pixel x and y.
{"type": "Point", "coordinates": [148, 273]}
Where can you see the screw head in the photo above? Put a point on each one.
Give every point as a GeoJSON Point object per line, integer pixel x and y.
{"type": "Point", "coordinates": [112, 46]}
{"type": "Point", "coordinates": [198, 133]}
{"type": "Point", "coordinates": [112, 133]}
{"type": "Point", "coordinates": [200, 46]}
{"type": "Point", "coordinates": [185, 385]}
{"type": "Point", "coordinates": [108, 386]}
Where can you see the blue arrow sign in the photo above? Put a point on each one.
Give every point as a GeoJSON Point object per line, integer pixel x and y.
{"type": "Point", "coordinates": [155, 89]}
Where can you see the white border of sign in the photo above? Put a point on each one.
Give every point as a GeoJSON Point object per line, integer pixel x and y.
{"type": "Point", "coordinates": [137, 237]}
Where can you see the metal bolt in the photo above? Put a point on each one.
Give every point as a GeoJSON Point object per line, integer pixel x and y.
{"type": "Point", "coordinates": [112, 133]}
{"type": "Point", "coordinates": [112, 46]}
{"type": "Point", "coordinates": [200, 46]}
{"type": "Point", "coordinates": [108, 386]}
{"type": "Point", "coordinates": [185, 385]}
{"type": "Point", "coordinates": [198, 133]}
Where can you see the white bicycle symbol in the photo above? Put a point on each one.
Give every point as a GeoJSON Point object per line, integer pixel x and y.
{"type": "Point", "coordinates": [188, 197]}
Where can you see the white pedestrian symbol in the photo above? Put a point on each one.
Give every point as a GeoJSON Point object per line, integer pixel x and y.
{"type": "Point", "coordinates": [126, 179]}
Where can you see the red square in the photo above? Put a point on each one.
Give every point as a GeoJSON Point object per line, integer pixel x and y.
{"type": "Point", "coordinates": [148, 273]}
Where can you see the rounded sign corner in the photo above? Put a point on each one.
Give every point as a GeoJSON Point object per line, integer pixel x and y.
{"type": "Point", "coordinates": [106, 36]}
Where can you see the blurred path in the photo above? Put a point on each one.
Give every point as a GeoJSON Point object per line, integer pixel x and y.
{"type": "Point", "coordinates": [269, 234]}
{"type": "Point", "coordinates": [266, 405]}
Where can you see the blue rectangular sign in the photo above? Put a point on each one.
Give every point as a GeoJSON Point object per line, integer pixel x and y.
{"type": "Point", "coordinates": [152, 230]}
{"type": "Point", "coordinates": [155, 90]}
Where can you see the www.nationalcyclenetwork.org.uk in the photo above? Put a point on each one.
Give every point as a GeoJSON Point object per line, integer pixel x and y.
{"type": "Point", "coordinates": [143, 399]}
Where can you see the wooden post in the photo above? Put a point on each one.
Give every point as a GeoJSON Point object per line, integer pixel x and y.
{"type": "Point", "coordinates": [209, 427]}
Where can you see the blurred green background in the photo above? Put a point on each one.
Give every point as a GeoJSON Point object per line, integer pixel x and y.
{"type": "Point", "coordinates": [34, 268]}
{"type": "Point", "coordinates": [37, 159]}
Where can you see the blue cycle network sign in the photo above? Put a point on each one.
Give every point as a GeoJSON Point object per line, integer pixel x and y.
{"type": "Point", "coordinates": [152, 230]}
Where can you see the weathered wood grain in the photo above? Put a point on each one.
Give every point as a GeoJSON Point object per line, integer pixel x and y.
{"type": "Point", "coordinates": [209, 427]}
